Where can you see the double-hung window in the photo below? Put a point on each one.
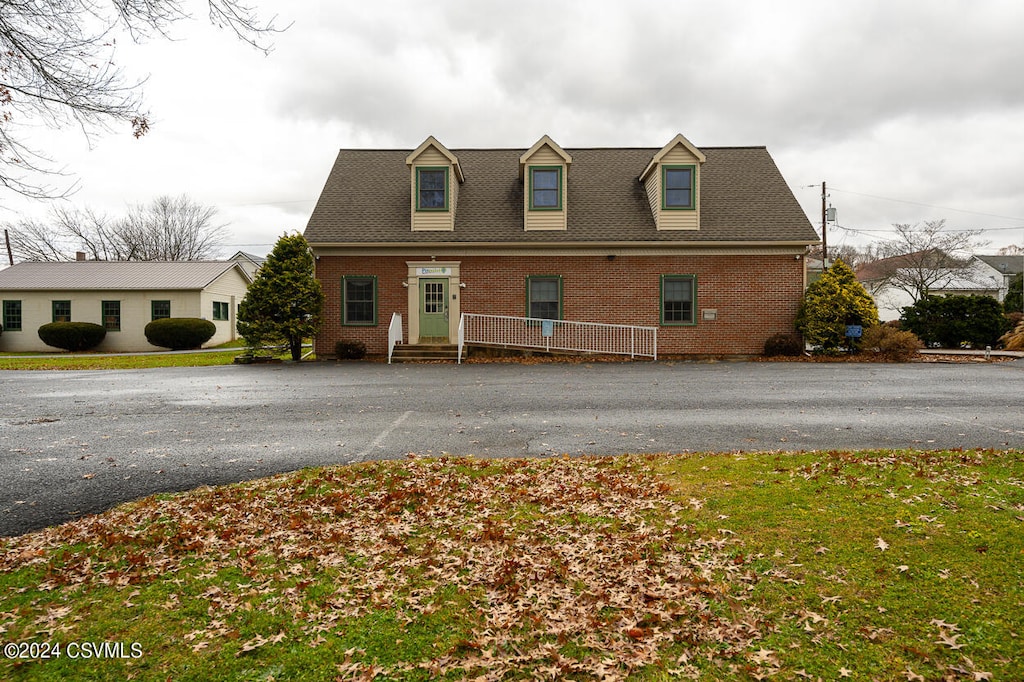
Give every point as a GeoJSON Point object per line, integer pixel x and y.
{"type": "Point", "coordinates": [359, 300]}
{"type": "Point", "coordinates": [11, 321]}
{"type": "Point", "coordinates": [678, 297]}
{"type": "Point", "coordinates": [545, 188]}
{"type": "Point", "coordinates": [111, 311]}
{"type": "Point", "coordinates": [677, 182]}
{"type": "Point", "coordinates": [160, 309]}
{"type": "Point", "coordinates": [61, 311]}
{"type": "Point", "coordinates": [432, 189]}
{"type": "Point", "coordinates": [221, 310]}
{"type": "Point", "coordinates": [544, 297]}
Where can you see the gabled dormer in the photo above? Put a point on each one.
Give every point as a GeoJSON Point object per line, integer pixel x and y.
{"type": "Point", "coordinates": [672, 182]}
{"type": "Point", "coordinates": [435, 179]}
{"type": "Point", "coordinates": [544, 171]}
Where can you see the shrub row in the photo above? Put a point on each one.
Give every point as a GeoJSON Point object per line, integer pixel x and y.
{"type": "Point", "coordinates": [176, 333]}
{"type": "Point", "coordinates": [886, 341]}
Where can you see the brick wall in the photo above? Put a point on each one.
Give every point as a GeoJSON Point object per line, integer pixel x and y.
{"type": "Point", "coordinates": [754, 296]}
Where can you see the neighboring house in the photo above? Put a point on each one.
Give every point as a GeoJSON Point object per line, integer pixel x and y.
{"type": "Point", "coordinates": [705, 244]}
{"type": "Point", "coordinates": [978, 277]}
{"type": "Point", "coordinates": [123, 296]}
{"type": "Point", "coordinates": [250, 263]}
{"type": "Point", "coordinates": [1006, 269]}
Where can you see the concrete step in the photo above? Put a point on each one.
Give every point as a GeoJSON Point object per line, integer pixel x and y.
{"type": "Point", "coordinates": [431, 352]}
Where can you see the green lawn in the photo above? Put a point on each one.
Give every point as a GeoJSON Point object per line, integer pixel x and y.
{"type": "Point", "coordinates": [862, 565]}
{"type": "Point", "coordinates": [69, 361]}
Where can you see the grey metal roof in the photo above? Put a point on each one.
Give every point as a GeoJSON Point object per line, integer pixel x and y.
{"type": "Point", "coordinates": [1008, 265]}
{"type": "Point", "coordinates": [114, 275]}
{"type": "Point", "coordinates": [743, 198]}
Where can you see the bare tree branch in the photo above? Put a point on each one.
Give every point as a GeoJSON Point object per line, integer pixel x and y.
{"type": "Point", "coordinates": [926, 256]}
{"type": "Point", "coordinates": [168, 228]}
{"type": "Point", "coordinates": [57, 68]}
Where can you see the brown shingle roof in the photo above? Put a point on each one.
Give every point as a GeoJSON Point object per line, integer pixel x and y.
{"type": "Point", "coordinates": [743, 198]}
{"type": "Point", "coordinates": [113, 275]}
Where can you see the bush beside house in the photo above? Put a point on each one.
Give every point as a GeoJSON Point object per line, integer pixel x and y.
{"type": "Point", "coordinates": [180, 333]}
{"type": "Point", "coordinates": [72, 336]}
{"type": "Point", "coordinates": [787, 344]}
{"type": "Point", "coordinates": [831, 304]}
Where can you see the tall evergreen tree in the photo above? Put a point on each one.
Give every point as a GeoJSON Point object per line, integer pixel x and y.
{"type": "Point", "coordinates": [831, 303]}
{"type": "Point", "coordinates": [285, 302]}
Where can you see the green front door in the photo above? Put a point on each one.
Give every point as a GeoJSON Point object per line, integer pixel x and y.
{"type": "Point", "coordinates": [434, 310]}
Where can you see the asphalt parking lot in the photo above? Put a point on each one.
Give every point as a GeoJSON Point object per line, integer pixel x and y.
{"type": "Point", "coordinates": [73, 443]}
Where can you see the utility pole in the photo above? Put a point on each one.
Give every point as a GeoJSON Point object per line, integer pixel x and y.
{"type": "Point", "coordinates": [824, 239]}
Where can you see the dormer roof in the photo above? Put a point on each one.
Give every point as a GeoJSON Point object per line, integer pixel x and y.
{"type": "Point", "coordinates": [432, 142]}
{"type": "Point", "coordinates": [529, 153]}
{"type": "Point", "coordinates": [664, 151]}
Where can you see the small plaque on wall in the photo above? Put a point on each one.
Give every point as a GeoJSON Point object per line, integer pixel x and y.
{"type": "Point", "coordinates": [709, 314]}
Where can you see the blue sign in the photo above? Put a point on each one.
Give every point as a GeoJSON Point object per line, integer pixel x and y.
{"type": "Point", "coordinates": [854, 331]}
{"type": "Point", "coordinates": [547, 328]}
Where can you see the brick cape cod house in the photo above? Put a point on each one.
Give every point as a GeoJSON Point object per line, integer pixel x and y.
{"type": "Point", "coordinates": [705, 244]}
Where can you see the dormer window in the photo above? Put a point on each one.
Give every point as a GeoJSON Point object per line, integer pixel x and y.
{"type": "Point", "coordinates": [432, 189]}
{"type": "Point", "coordinates": [545, 188]}
{"type": "Point", "coordinates": [544, 172]}
{"type": "Point", "coordinates": [678, 187]}
{"type": "Point", "coordinates": [435, 175]}
{"type": "Point", "coordinates": [672, 182]}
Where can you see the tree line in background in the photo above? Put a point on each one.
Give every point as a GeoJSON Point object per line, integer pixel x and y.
{"type": "Point", "coordinates": [167, 228]}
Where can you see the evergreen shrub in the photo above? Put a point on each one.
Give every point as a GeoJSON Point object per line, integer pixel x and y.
{"type": "Point", "coordinates": [349, 350]}
{"type": "Point", "coordinates": [789, 344]}
{"type": "Point", "coordinates": [72, 335]}
{"type": "Point", "coordinates": [830, 304]}
{"type": "Point", "coordinates": [180, 333]}
{"type": "Point", "coordinates": [956, 321]}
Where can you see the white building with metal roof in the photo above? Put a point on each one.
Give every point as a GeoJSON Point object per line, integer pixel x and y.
{"type": "Point", "coordinates": [123, 296]}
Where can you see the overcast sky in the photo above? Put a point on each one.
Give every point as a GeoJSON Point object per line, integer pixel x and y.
{"type": "Point", "coordinates": [909, 110]}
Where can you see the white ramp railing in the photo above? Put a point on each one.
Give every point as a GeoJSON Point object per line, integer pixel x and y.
{"type": "Point", "coordinates": [558, 335]}
{"type": "Point", "coordinates": [462, 336]}
{"type": "Point", "coordinates": [394, 334]}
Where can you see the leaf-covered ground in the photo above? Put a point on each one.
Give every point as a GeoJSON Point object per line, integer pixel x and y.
{"type": "Point", "coordinates": [879, 565]}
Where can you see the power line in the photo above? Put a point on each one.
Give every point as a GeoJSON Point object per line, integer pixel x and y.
{"type": "Point", "coordinates": [918, 203]}
{"type": "Point", "coordinates": [978, 229]}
